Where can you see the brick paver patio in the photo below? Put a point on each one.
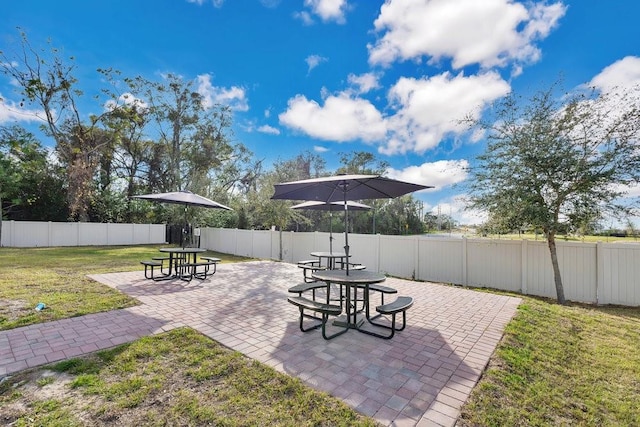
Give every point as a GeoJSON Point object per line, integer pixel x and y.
{"type": "Point", "coordinates": [421, 377]}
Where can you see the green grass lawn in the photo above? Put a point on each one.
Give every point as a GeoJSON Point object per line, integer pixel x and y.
{"type": "Point", "coordinates": [57, 277]}
{"type": "Point", "coordinates": [176, 378]}
{"type": "Point", "coordinates": [562, 365]}
{"type": "Point", "coordinates": [556, 365]}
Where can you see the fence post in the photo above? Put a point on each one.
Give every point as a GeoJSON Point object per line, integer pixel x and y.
{"type": "Point", "coordinates": [599, 272]}
{"type": "Point", "coordinates": [378, 239]}
{"type": "Point", "coordinates": [464, 260]}
{"type": "Point", "coordinates": [416, 258]}
{"type": "Point", "coordinates": [524, 266]}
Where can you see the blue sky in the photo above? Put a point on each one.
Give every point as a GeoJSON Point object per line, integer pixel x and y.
{"type": "Point", "coordinates": [333, 76]}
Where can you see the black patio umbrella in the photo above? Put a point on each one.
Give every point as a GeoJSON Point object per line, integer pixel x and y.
{"type": "Point", "coordinates": [344, 188]}
{"type": "Point", "coordinates": [186, 198]}
{"type": "Point", "coordinates": [331, 207]}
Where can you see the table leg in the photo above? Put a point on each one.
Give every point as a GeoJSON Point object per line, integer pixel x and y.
{"type": "Point", "coordinates": [171, 263]}
{"type": "Point", "coordinates": [351, 314]}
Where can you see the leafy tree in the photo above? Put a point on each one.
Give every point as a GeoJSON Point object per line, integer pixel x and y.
{"type": "Point", "coordinates": [552, 163]}
{"type": "Point", "coordinates": [45, 79]}
{"type": "Point", "coordinates": [265, 212]}
{"type": "Point", "coordinates": [361, 163]}
{"type": "Point", "coordinates": [193, 145]}
{"type": "Point", "coordinates": [32, 187]}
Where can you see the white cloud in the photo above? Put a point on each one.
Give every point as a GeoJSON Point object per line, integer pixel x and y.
{"type": "Point", "coordinates": [215, 3]}
{"type": "Point", "coordinates": [328, 10]}
{"type": "Point", "coordinates": [624, 73]}
{"type": "Point", "coordinates": [456, 207]}
{"type": "Point", "coordinates": [439, 174]}
{"type": "Point", "coordinates": [126, 99]}
{"type": "Point", "coordinates": [271, 4]}
{"type": "Point", "coordinates": [425, 111]}
{"type": "Point", "coordinates": [11, 111]}
{"type": "Point", "coordinates": [364, 82]}
{"type": "Point", "coordinates": [234, 97]}
{"type": "Point", "coordinates": [304, 16]}
{"type": "Point", "coordinates": [488, 32]}
{"type": "Point", "coordinates": [269, 129]}
{"type": "Point", "coordinates": [341, 118]}
{"type": "Point", "coordinates": [320, 149]}
{"type": "Point", "coordinates": [429, 109]}
{"type": "Point", "coordinates": [313, 61]}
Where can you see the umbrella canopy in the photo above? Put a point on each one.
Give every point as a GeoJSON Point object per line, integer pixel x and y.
{"type": "Point", "coordinates": [344, 188]}
{"type": "Point", "coordinates": [186, 198]}
{"type": "Point", "coordinates": [339, 188]}
{"type": "Point", "coordinates": [331, 207]}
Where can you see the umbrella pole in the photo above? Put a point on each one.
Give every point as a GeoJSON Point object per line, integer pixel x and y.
{"type": "Point", "coordinates": [346, 229]}
{"type": "Point", "coordinates": [330, 231]}
{"type": "Point", "coordinates": [184, 228]}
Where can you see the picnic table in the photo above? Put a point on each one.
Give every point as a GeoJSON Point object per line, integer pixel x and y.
{"type": "Point", "coordinates": [182, 264]}
{"type": "Point", "coordinates": [355, 279]}
{"type": "Point", "coordinates": [332, 258]}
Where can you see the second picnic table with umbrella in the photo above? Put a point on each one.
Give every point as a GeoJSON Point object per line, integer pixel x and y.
{"type": "Point", "coordinates": [344, 188]}
{"type": "Point", "coordinates": [331, 207]}
{"type": "Point", "coordinates": [186, 198]}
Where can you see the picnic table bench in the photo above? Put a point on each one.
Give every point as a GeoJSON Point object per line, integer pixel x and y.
{"type": "Point", "coordinates": [325, 310]}
{"type": "Point", "coordinates": [201, 269]}
{"type": "Point", "coordinates": [309, 267]}
{"type": "Point", "coordinates": [149, 267]}
{"type": "Point", "coordinates": [400, 305]}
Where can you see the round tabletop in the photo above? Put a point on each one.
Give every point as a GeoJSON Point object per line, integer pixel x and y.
{"type": "Point", "coordinates": [183, 250]}
{"type": "Point", "coordinates": [357, 277]}
{"type": "Point", "coordinates": [329, 254]}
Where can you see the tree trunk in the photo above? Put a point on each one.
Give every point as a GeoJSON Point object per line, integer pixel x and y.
{"type": "Point", "coordinates": [1, 221]}
{"type": "Point", "coordinates": [551, 241]}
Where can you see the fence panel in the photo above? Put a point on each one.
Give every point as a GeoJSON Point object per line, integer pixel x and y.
{"type": "Point", "coordinates": [145, 234]}
{"type": "Point", "coordinates": [223, 240]}
{"type": "Point", "coordinates": [578, 267]}
{"type": "Point", "coordinates": [440, 260]}
{"type": "Point", "coordinates": [539, 273]}
{"type": "Point", "coordinates": [244, 243]}
{"type": "Point", "coordinates": [494, 263]}
{"type": "Point", "coordinates": [62, 234]}
{"type": "Point", "coordinates": [262, 244]}
{"type": "Point", "coordinates": [302, 244]}
{"type": "Point", "coordinates": [620, 275]}
{"type": "Point", "coordinates": [398, 256]}
{"type": "Point", "coordinates": [21, 234]}
{"type": "Point", "coordinates": [364, 249]}
{"type": "Point", "coordinates": [29, 233]}
{"type": "Point", "coordinates": [92, 234]}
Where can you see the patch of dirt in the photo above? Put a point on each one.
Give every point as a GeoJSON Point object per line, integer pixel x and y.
{"type": "Point", "coordinates": [13, 309]}
{"type": "Point", "coordinates": [25, 385]}
{"type": "Point", "coordinates": [19, 394]}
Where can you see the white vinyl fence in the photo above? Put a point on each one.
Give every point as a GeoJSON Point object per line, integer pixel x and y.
{"type": "Point", "coordinates": [600, 273]}
{"type": "Point", "coordinates": [22, 234]}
